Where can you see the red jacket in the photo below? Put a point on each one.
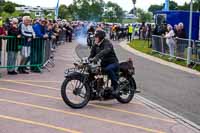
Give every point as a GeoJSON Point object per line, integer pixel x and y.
{"type": "Point", "coordinates": [2, 32]}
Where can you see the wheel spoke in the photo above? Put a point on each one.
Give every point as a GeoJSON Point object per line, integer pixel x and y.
{"type": "Point", "coordinates": [75, 98]}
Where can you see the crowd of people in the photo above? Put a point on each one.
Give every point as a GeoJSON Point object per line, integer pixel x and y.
{"type": "Point", "coordinates": [170, 33]}
{"type": "Point", "coordinates": [28, 36]}
{"type": "Point", "coordinates": [130, 31]}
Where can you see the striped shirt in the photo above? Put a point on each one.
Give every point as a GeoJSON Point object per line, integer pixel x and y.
{"type": "Point", "coordinates": [27, 31]}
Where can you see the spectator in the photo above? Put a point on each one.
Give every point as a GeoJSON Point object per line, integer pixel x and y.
{"type": "Point", "coordinates": [69, 31]}
{"type": "Point", "coordinates": [181, 31]}
{"type": "Point", "coordinates": [130, 32]}
{"type": "Point", "coordinates": [143, 30]}
{"type": "Point", "coordinates": [149, 31]}
{"type": "Point", "coordinates": [170, 41]}
{"type": "Point", "coordinates": [2, 33]}
{"type": "Point", "coordinates": [7, 24]}
{"type": "Point", "coordinates": [181, 43]}
{"type": "Point", "coordinates": [136, 30]}
{"type": "Point", "coordinates": [99, 27]}
{"type": "Point", "coordinates": [12, 46]}
{"type": "Point", "coordinates": [56, 31]}
{"type": "Point", "coordinates": [49, 30]}
{"type": "Point", "coordinates": [40, 29]}
{"type": "Point", "coordinates": [117, 32]}
{"type": "Point", "coordinates": [51, 36]}
{"type": "Point", "coordinates": [158, 31]}
{"type": "Point", "coordinates": [112, 31]}
{"type": "Point", "coordinates": [175, 29]}
{"type": "Point", "coordinates": [28, 34]}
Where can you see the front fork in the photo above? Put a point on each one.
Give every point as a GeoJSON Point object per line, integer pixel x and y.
{"type": "Point", "coordinates": [79, 86]}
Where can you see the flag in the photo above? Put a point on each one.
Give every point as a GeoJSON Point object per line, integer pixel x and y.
{"type": "Point", "coordinates": [166, 7]}
{"type": "Point", "coordinates": [57, 9]}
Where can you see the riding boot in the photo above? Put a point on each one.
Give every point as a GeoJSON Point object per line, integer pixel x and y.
{"type": "Point", "coordinates": [116, 90]}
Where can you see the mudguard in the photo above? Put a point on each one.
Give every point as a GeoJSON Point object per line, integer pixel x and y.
{"type": "Point", "coordinates": [133, 83]}
{"type": "Point", "coordinates": [69, 74]}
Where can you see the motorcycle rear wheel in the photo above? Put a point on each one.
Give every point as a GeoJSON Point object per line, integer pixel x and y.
{"type": "Point", "coordinates": [130, 89]}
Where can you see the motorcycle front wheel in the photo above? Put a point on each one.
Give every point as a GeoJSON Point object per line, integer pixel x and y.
{"type": "Point", "coordinates": [75, 93]}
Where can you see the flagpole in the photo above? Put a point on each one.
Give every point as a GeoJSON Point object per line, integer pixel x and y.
{"type": "Point", "coordinates": [166, 8]}
{"type": "Point", "coordinates": [189, 52]}
{"type": "Point", "coordinates": [57, 10]}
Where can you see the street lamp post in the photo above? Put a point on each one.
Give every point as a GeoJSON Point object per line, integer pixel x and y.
{"type": "Point", "coordinates": [134, 2]}
{"type": "Point", "coordinates": [189, 53]}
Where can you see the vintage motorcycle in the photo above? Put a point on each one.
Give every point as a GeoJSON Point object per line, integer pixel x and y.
{"type": "Point", "coordinates": [88, 81]}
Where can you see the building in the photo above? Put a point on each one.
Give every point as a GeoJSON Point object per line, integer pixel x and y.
{"type": "Point", "coordinates": [130, 16]}
{"type": "Point", "coordinates": [38, 11]}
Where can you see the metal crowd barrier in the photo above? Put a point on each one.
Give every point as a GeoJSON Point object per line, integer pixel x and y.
{"type": "Point", "coordinates": [197, 51]}
{"type": "Point", "coordinates": [180, 49]}
{"type": "Point", "coordinates": [48, 54]}
{"type": "Point", "coordinates": [158, 44]}
{"type": "Point", "coordinates": [62, 37]}
{"type": "Point", "coordinates": [20, 53]}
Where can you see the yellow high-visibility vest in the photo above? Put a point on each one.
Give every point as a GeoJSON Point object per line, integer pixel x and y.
{"type": "Point", "coordinates": [130, 29]}
{"type": "Point", "coordinates": [136, 28]}
{"type": "Point", "coordinates": [1, 23]}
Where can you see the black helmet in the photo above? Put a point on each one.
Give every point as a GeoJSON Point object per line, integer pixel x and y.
{"type": "Point", "coordinates": [100, 34]}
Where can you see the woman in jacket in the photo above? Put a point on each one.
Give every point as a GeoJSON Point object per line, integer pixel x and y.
{"type": "Point", "coordinates": [170, 41]}
{"type": "Point", "coordinates": [12, 46]}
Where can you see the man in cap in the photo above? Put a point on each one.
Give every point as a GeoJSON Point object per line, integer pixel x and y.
{"type": "Point", "coordinates": [103, 50]}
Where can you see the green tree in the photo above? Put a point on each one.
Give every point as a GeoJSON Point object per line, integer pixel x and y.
{"type": "Point", "coordinates": [1, 10]}
{"type": "Point", "coordinates": [88, 9]}
{"type": "Point", "coordinates": [92, 10]}
{"type": "Point", "coordinates": [82, 9]}
{"type": "Point", "coordinates": [46, 12]}
{"type": "Point", "coordinates": [173, 5]}
{"type": "Point", "coordinates": [24, 14]}
{"type": "Point", "coordinates": [9, 8]}
{"type": "Point", "coordinates": [114, 13]}
{"type": "Point", "coordinates": [184, 7]}
{"type": "Point", "coordinates": [154, 8]}
{"type": "Point", "coordinates": [96, 10]}
{"type": "Point", "coordinates": [144, 16]}
{"type": "Point", "coordinates": [64, 12]}
{"type": "Point", "coordinates": [72, 11]}
{"type": "Point", "coordinates": [196, 5]}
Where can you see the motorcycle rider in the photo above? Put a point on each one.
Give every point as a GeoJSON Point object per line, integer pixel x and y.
{"type": "Point", "coordinates": [90, 32]}
{"type": "Point", "coordinates": [103, 49]}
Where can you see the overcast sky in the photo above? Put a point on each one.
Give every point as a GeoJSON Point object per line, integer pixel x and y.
{"type": "Point", "coordinates": [125, 4]}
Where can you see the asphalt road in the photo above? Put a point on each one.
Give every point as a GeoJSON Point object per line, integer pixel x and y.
{"type": "Point", "coordinates": [173, 89]}
{"type": "Point", "coordinates": [32, 104]}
